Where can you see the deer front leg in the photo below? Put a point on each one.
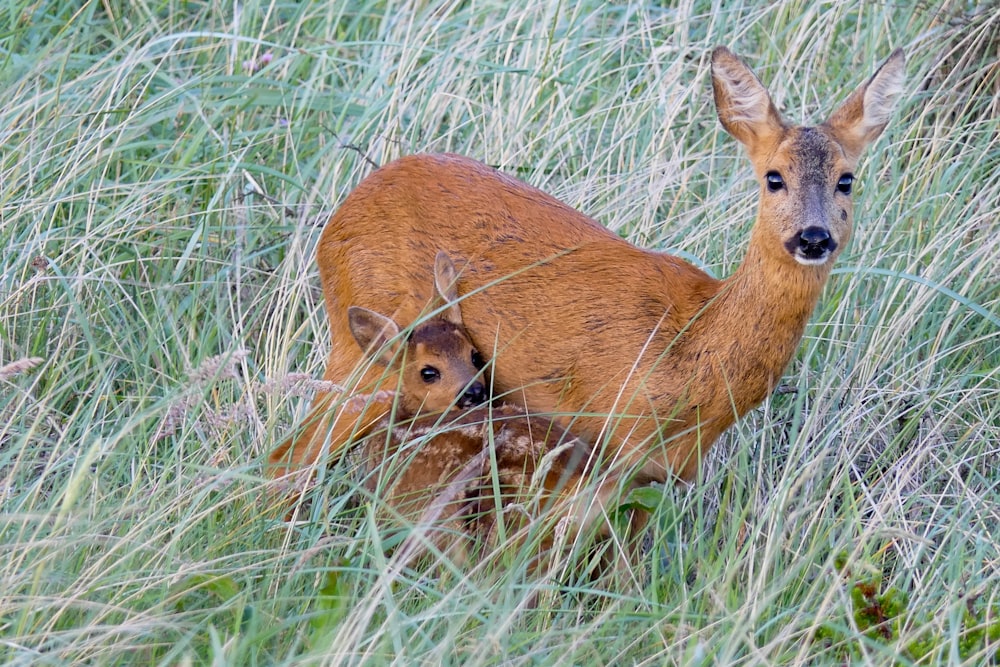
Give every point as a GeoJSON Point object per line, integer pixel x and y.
{"type": "Point", "coordinates": [327, 431]}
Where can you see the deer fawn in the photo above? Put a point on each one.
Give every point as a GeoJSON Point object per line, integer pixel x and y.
{"type": "Point", "coordinates": [440, 370]}
{"type": "Point", "coordinates": [435, 364]}
{"type": "Point", "coordinates": [431, 466]}
{"type": "Point", "coordinates": [647, 357]}
{"type": "Point", "coordinates": [455, 476]}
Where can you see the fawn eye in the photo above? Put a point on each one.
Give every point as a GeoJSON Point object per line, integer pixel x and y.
{"type": "Point", "coordinates": [845, 183]}
{"type": "Point", "coordinates": [774, 181]}
{"type": "Point", "coordinates": [477, 360]}
{"type": "Point", "coordinates": [429, 374]}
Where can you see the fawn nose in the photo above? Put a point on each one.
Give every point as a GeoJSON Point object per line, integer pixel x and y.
{"type": "Point", "coordinates": [474, 394]}
{"type": "Point", "coordinates": [815, 242]}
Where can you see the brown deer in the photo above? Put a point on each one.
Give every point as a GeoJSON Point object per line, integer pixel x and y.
{"type": "Point", "coordinates": [646, 357]}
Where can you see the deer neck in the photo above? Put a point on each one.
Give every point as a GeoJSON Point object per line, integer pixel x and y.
{"type": "Point", "coordinates": [753, 324]}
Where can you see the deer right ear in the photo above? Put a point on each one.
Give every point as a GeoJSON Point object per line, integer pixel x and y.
{"type": "Point", "coordinates": [865, 113]}
{"type": "Point", "coordinates": [446, 286]}
{"type": "Point", "coordinates": [743, 104]}
{"type": "Point", "coordinates": [374, 333]}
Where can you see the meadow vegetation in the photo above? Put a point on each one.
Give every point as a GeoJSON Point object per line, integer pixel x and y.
{"type": "Point", "coordinates": [166, 167]}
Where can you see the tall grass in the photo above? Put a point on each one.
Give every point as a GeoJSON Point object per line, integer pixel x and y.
{"type": "Point", "coordinates": [165, 170]}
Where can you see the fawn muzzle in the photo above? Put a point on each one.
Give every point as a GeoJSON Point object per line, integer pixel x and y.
{"type": "Point", "coordinates": [475, 394]}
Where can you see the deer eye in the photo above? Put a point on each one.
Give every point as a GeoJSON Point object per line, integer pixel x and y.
{"type": "Point", "coordinates": [429, 374]}
{"type": "Point", "coordinates": [477, 360]}
{"type": "Point", "coordinates": [845, 183]}
{"type": "Point", "coordinates": [774, 181]}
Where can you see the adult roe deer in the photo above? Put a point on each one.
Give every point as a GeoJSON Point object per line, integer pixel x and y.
{"type": "Point", "coordinates": [649, 358]}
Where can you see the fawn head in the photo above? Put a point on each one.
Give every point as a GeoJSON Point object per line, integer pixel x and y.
{"type": "Point", "coordinates": [439, 366]}
{"type": "Point", "coordinates": [806, 173]}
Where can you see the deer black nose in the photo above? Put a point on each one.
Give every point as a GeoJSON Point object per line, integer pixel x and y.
{"type": "Point", "coordinates": [815, 242]}
{"type": "Point", "coordinates": [474, 394]}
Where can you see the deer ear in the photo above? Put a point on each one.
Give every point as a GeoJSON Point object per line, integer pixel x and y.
{"type": "Point", "coordinates": [446, 286]}
{"type": "Point", "coordinates": [742, 103]}
{"type": "Point", "coordinates": [376, 334]}
{"type": "Point", "coordinates": [864, 114]}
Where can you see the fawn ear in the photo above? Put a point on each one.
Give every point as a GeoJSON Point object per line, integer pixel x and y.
{"type": "Point", "coordinates": [864, 114]}
{"type": "Point", "coordinates": [742, 103]}
{"type": "Point", "coordinates": [446, 287]}
{"type": "Point", "coordinates": [375, 333]}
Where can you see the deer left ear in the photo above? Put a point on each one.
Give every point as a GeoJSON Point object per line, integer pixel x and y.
{"type": "Point", "coordinates": [375, 333]}
{"type": "Point", "coordinates": [446, 286]}
{"type": "Point", "coordinates": [742, 102]}
{"type": "Point", "coordinates": [865, 113]}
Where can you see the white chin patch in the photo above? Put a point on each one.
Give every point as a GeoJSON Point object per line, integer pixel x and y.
{"type": "Point", "coordinates": [811, 261]}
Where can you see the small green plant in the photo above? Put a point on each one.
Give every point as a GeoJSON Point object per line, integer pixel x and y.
{"type": "Point", "coordinates": [883, 613]}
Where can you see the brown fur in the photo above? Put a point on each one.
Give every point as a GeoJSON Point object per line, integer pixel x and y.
{"type": "Point", "coordinates": [456, 477]}
{"type": "Point", "coordinates": [656, 357]}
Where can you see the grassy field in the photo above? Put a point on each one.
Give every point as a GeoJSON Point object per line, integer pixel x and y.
{"type": "Point", "coordinates": [166, 167]}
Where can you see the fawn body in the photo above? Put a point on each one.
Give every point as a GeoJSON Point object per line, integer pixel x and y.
{"type": "Point", "coordinates": [650, 358]}
{"type": "Point", "coordinates": [453, 475]}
